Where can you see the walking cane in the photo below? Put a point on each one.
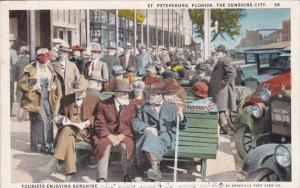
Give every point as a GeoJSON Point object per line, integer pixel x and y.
{"type": "Point", "coordinates": [176, 150]}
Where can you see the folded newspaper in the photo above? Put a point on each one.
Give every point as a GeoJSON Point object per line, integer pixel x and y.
{"type": "Point", "coordinates": [64, 121]}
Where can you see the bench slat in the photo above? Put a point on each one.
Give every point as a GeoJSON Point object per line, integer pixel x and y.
{"type": "Point", "coordinates": [198, 139]}
{"type": "Point", "coordinates": [195, 134]}
{"type": "Point", "coordinates": [187, 143]}
{"type": "Point", "coordinates": [198, 130]}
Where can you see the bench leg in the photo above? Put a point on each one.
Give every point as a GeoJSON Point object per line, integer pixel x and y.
{"type": "Point", "coordinates": [203, 169]}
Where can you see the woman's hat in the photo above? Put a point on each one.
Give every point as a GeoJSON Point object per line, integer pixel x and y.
{"type": "Point", "coordinates": [64, 47]}
{"type": "Point", "coordinates": [200, 89]}
{"type": "Point", "coordinates": [78, 48]}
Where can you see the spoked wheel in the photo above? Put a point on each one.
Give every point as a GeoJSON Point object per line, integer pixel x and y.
{"type": "Point", "coordinates": [264, 175]}
{"type": "Point", "coordinates": [243, 141]}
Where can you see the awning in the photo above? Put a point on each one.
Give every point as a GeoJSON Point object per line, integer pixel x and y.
{"type": "Point", "coordinates": [130, 15]}
{"type": "Point", "coordinates": [262, 51]}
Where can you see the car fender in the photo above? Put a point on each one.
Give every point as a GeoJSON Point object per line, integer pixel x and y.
{"type": "Point", "coordinates": [255, 158]}
{"type": "Point", "coordinates": [257, 126]}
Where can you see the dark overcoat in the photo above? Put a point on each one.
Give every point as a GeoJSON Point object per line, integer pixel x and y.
{"type": "Point", "coordinates": [107, 122]}
{"type": "Point", "coordinates": [222, 84]}
{"type": "Point", "coordinates": [165, 122]}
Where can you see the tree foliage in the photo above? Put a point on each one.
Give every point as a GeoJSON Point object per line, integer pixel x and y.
{"type": "Point", "coordinates": [229, 21]}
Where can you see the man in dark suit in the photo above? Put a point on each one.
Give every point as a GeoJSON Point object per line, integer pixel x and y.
{"type": "Point", "coordinates": [222, 86]}
{"type": "Point", "coordinates": [128, 59]}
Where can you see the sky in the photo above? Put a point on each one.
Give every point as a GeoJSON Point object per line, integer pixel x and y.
{"type": "Point", "coordinates": [256, 19]}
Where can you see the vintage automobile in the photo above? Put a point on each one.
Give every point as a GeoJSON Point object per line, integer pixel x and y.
{"type": "Point", "coordinates": [265, 116]}
{"type": "Point", "coordinates": [269, 162]}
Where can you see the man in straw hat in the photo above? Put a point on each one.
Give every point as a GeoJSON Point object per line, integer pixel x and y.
{"type": "Point", "coordinates": [222, 86]}
{"type": "Point", "coordinates": [113, 128]}
{"type": "Point", "coordinates": [74, 122]}
{"type": "Point", "coordinates": [118, 74]}
{"type": "Point", "coordinates": [97, 71]}
{"type": "Point", "coordinates": [128, 58]}
{"type": "Point", "coordinates": [67, 72]}
{"type": "Point", "coordinates": [155, 127]}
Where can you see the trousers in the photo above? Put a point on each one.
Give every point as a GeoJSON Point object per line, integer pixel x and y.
{"type": "Point", "coordinates": [103, 162]}
{"type": "Point", "coordinates": [65, 148]}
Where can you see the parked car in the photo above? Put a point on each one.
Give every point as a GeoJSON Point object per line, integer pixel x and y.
{"type": "Point", "coordinates": [269, 162]}
{"type": "Point", "coordinates": [265, 116]}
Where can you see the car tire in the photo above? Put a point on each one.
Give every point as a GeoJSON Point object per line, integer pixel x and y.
{"type": "Point", "coordinates": [242, 140]}
{"type": "Point", "coordinates": [263, 174]}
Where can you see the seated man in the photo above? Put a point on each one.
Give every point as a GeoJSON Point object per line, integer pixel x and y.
{"type": "Point", "coordinates": [74, 124]}
{"type": "Point", "coordinates": [155, 129]}
{"type": "Point", "coordinates": [113, 127]}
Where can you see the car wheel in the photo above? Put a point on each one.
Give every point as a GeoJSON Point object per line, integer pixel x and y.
{"type": "Point", "coordinates": [263, 174]}
{"type": "Point", "coordinates": [242, 140]}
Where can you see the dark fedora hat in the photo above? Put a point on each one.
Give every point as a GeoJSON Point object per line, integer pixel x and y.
{"type": "Point", "coordinates": [221, 48]}
{"type": "Point", "coordinates": [122, 86]}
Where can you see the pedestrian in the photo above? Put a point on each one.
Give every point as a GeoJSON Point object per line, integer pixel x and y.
{"type": "Point", "coordinates": [67, 72]}
{"type": "Point", "coordinates": [13, 59]}
{"type": "Point", "coordinates": [75, 123]}
{"type": "Point", "coordinates": [128, 58]}
{"type": "Point", "coordinates": [22, 62]}
{"type": "Point", "coordinates": [111, 60]}
{"type": "Point", "coordinates": [222, 86]}
{"type": "Point", "coordinates": [113, 123]}
{"type": "Point", "coordinates": [143, 60]}
{"type": "Point", "coordinates": [153, 128]}
{"type": "Point", "coordinates": [118, 74]}
{"type": "Point", "coordinates": [150, 76]}
{"type": "Point", "coordinates": [97, 71]}
{"type": "Point", "coordinates": [41, 95]}
{"type": "Point", "coordinates": [77, 58]}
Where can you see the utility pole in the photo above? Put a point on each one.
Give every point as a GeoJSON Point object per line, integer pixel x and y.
{"type": "Point", "coordinates": [32, 34]}
{"type": "Point", "coordinates": [207, 34]}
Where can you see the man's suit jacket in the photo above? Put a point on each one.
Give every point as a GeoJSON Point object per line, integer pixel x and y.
{"type": "Point", "coordinates": [68, 77]}
{"type": "Point", "coordinates": [132, 61]}
{"type": "Point", "coordinates": [76, 114]}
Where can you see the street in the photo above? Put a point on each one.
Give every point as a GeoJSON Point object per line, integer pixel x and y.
{"type": "Point", "coordinates": [25, 163]}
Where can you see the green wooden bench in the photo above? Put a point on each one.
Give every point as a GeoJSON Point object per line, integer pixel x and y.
{"type": "Point", "coordinates": [198, 142]}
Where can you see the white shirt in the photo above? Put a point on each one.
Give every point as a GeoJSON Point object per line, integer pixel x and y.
{"type": "Point", "coordinates": [119, 102]}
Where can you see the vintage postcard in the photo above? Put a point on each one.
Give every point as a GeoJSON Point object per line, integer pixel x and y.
{"type": "Point", "coordinates": [150, 94]}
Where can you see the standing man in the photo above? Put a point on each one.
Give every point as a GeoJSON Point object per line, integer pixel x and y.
{"type": "Point", "coordinates": [97, 71]}
{"type": "Point", "coordinates": [128, 59]}
{"type": "Point", "coordinates": [222, 86]}
{"type": "Point", "coordinates": [113, 128]}
{"type": "Point", "coordinates": [111, 60]}
{"type": "Point", "coordinates": [22, 62]}
{"type": "Point", "coordinates": [143, 59]}
{"type": "Point", "coordinates": [67, 72]}
{"type": "Point", "coordinates": [13, 59]}
{"type": "Point", "coordinates": [78, 109]}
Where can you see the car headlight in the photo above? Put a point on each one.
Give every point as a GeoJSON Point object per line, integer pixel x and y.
{"type": "Point", "coordinates": [257, 111]}
{"type": "Point", "coordinates": [283, 156]}
{"type": "Point", "coordinates": [265, 95]}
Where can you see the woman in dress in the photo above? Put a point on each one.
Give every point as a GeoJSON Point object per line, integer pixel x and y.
{"type": "Point", "coordinates": [41, 96]}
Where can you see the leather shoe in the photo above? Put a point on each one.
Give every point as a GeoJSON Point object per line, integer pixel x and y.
{"type": "Point", "coordinates": [127, 178]}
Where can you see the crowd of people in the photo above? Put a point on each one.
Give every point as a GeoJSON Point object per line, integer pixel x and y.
{"type": "Point", "coordinates": [64, 87]}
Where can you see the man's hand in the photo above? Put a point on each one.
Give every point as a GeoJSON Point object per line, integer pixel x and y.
{"type": "Point", "coordinates": [152, 129]}
{"type": "Point", "coordinates": [113, 139]}
{"type": "Point", "coordinates": [87, 123]}
{"type": "Point", "coordinates": [52, 87]}
{"type": "Point", "coordinates": [180, 113]}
